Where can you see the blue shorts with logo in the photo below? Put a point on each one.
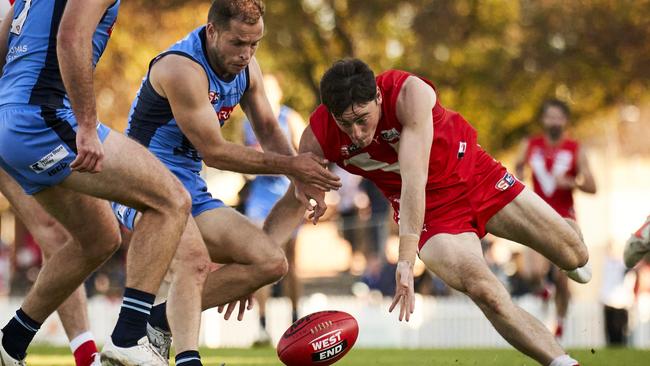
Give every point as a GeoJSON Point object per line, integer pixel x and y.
{"type": "Point", "coordinates": [202, 200]}
{"type": "Point", "coordinates": [38, 143]}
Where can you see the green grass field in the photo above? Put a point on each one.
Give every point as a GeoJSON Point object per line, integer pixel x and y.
{"type": "Point", "coordinates": [48, 356]}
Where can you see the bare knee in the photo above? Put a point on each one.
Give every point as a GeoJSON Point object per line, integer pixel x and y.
{"type": "Point", "coordinates": [576, 255]}
{"type": "Point", "coordinates": [51, 236]}
{"type": "Point", "coordinates": [104, 245]}
{"type": "Point", "coordinates": [179, 201]}
{"type": "Point", "coordinates": [487, 297]}
{"type": "Point", "coordinates": [274, 267]}
{"type": "Point", "coordinates": [193, 266]}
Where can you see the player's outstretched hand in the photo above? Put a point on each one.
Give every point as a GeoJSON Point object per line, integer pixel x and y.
{"type": "Point", "coordinates": [404, 291]}
{"type": "Point", "coordinates": [90, 152]}
{"type": "Point", "coordinates": [305, 194]}
{"type": "Point", "coordinates": [245, 303]}
{"type": "Point", "coordinates": [311, 169]}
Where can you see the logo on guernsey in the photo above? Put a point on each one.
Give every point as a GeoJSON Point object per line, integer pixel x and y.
{"type": "Point", "coordinates": [224, 114]}
{"type": "Point", "coordinates": [390, 135]}
{"type": "Point", "coordinates": [214, 96]}
{"type": "Point", "coordinates": [328, 346]}
{"type": "Point", "coordinates": [50, 160]}
{"type": "Point", "coordinates": [347, 150]}
{"type": "Point", "coordinates": [506, 182]}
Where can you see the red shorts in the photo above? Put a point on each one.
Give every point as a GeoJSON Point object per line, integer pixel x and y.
{"type": "Point", "coordinates": [468, 205]}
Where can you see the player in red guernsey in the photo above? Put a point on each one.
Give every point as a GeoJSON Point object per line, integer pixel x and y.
{"type": "Point", "coordinates": [447, 193]}
{"type": "Point", "coordinates": [559, 166]}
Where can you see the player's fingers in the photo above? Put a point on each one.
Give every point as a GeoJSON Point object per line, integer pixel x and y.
{"type": "Point", "coordinates": [231, 308]}
{"type": "Point", "coordinates": [250, 303]}
{"type": "Point", "coordinates": [99, 164]}
{"type": "Point", "coordinates": [242, 309]}
{"type": "Point", "coordinates": [77, 163]}
{"type": "Point", "coordinates": [220, 309]}
{"type": "Point", "coordinates": [394, 303]}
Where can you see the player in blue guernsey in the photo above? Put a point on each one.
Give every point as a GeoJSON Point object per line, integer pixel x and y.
{"type": "Point", "coordinates": [53, 146]}
{"type": "Point", "coordinates": [188, 93]}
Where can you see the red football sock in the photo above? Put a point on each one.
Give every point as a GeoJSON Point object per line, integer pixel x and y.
{"type": "Point", "coordinates": [84, 349]}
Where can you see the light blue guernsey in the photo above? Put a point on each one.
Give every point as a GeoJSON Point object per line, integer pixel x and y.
{"type": "Point", "coordinates": [152, 123]}
{"type": "Point", "coordinates": [37, 126]}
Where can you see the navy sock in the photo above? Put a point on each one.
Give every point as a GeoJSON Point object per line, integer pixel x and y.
{"type": "Point", "coordinates": [158, 318]}
{"type": "Point", "coordinates": [188, 358]}
{"type": "Point", "coordinates": [134, 314]}
{"type": "Point", "coordinates": [18, 333]}
{"type": "Point", "coordinates": [294, 316]}
{"type": "Point", "coordinates": [263, 321]}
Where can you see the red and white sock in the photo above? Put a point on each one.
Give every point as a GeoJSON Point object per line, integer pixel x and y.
{"type": "Point", "coordinates": [84, 349]}
{"type": "Point", "coordinates": [564, 360]}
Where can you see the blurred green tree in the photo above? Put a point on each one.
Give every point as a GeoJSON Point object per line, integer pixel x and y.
{"type": "Point", "coordinates": [492, 60]}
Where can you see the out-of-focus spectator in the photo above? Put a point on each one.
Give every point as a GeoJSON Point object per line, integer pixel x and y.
{"type": "Point", "coordinates": [617, 296]}
{"type": "Point", "coordinates": [376, 227]}
{"type": "Point", "coordinates": [5, 269]}
{"type": "Point", "coordinates": [349, 201]}
{"type": "Point", "coordinates": [28, 260]}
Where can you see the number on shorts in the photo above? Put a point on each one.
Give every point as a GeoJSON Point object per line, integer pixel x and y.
{"type": "Point", "coordinates": [17, 24]}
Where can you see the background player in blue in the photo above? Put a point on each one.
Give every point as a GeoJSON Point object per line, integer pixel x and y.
{"type": "Point", "coordinates": [263, 191]}
{"type": "Point", "coordinates": [51, 142]}
{"type": "Point", "coordinates": [188, 93]}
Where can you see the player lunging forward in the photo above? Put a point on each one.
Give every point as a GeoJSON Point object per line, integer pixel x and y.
{"type": "Point", "coordinates": [446, 191]}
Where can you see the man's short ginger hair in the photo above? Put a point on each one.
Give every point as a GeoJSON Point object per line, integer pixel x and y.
{"type": "Point", "coordinates": [223, 11]}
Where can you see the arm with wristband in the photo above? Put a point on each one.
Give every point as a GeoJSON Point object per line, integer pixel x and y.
{"type": "Point", "coordinates": [414, 105]}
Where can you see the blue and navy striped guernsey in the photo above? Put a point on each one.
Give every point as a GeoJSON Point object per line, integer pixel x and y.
{"type": "Point", "coordinates": [151, 121]}
{"type": "Point", "coordinates": [31, 74]}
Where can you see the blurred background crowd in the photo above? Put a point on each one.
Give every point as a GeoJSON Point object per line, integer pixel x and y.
{"type": "Point", "coordinates": [493, 61]}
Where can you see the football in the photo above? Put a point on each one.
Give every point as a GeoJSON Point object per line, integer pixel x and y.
{"type": "Point", "coordinates": [320, 338]}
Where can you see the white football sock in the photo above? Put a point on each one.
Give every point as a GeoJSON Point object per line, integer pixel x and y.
{"type": "Point", "coordinates": [580, 274]}
{"type": "Point", "coordinates": [564, 360]}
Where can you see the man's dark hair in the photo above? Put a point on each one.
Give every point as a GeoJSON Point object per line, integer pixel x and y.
{"type": "Point", "coordinates": [223, 11]}
{"type": "Point", "coordinates": [557, 104]}
{"type": "Point", "coordinates": [347, 82]}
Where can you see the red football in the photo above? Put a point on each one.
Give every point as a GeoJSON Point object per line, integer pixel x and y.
{"type": "Point", "coordinates": [320, 338]}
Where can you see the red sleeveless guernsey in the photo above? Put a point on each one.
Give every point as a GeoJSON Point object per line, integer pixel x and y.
{"type": "Point", "coordinates": [546, 162]}
{"type": "Point", "coordinates": [465, 186]}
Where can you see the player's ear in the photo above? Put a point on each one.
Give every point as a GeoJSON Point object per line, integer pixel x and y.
{"type": "Point", "coordinates": [211, 32]}
{"type": "Point", "coordinates": [378, 97]}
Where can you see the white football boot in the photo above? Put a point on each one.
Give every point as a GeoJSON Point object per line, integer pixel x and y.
{"type": "Point", "coordinates": [142, 354]}
{"type": "Point", "coordinates": [5, 359]}
{"type": "Point", "coordinates": [638, 245]}
{"type": "Point", "coordinates": [160, 340]}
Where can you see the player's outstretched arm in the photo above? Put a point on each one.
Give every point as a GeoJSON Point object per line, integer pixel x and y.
{"type": "Point", "coordinates": [271, 138]}
{"type": "Point", "coordinates": [75, 53]}
{"type": "Point", "coordinates": [184, 84]}
{"type": "Point", "coordinates": [5, 25]}
{"type": "Point", "coordinates": [586, 182]}
{"type": "Point", "coordinates": [414, 105]}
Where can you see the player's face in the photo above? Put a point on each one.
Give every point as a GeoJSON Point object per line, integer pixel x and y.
{"type": "Point", "coordinates": [554, 121]}
{"type": "Point", "coordinates": [231, 49]}
{"type": "Point", "coordinates": [360, 121]}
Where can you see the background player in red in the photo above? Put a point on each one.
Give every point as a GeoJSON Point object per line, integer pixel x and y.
{"type": "Point", "coordinates": [559, 166]}
{"type": "Point", "coordinates": [384, 129]}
